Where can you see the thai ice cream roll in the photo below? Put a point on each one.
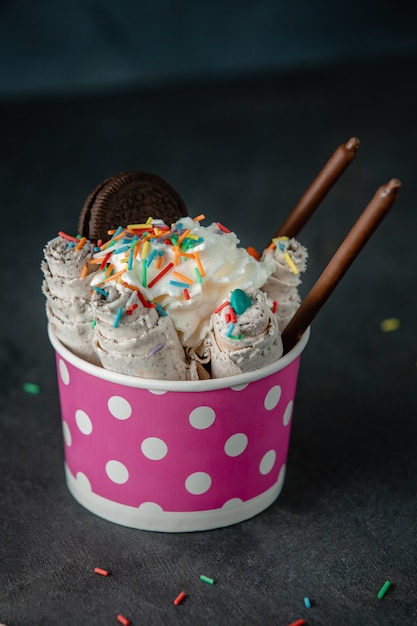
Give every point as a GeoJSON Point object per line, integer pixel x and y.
{"type": "Point", "coordinates": [290, 260]}
{"type": "Point", "coordinates": [244, 335]}
{"type": "Point", "coordinates": [67, 273]}
{"type": "Point", "coordinates": [131, 337]}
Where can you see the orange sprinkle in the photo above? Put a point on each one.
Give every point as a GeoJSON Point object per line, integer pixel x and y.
{"type": "Point", "coordinates": [199, 218]}
{"type": "Point", "coordinates": [177, 255]}
{"type": "Point", "coordinates": [114, 276]}
{"type": "Point", "coordinates": [84, 270]}
{"type": "Point", "coordinates": [102, 572]}
{"type": "Point", "coordinates": [253, 252]}
{"type": "Point", "coordinates": [81, 243]}
{"type": "Point", "coordinates": [198, 261]}
{"type": "Point", "coordinates": [159, 262]}
{"type": "Point", "coordinates": [183, 236]}
{"type": "Point", "coordinates": [185, 279]}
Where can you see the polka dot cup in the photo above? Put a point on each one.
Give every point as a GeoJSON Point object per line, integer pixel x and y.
{"type": "Point", "coordinates": [175, 456]}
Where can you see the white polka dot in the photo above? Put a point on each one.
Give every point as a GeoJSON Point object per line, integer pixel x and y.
{"type": "Point", "coordinates": [239, 387]}
{"type": "Point", "coordinates": [288, 413]}
{"type": "Point", "coordinates": [272, 397]}
{"type": "Point", "coordinates": [119, 407]}
{"type": "Point", "coordinates": [83, 422]}
{"type": "Point", "coordinates": [158, 392]}
{"type": "Point", "coordinates": [117, 472]}
{"type": "Point", "coordinates": [150, 508]}
{"type": "Point", "coordinates": [64, 373]}
{"type": "Point", "coordinates": [198, 483]}
{"type": "Point", "coordinates": [230, 504]}
{"type": "Point", "coordinates": [154, 448]}
{"type": "Point", "coordinates": [268, 461]}
{"type": "Point", "coordinates": [202, 417]}
{"type": "Point", "coordinates": [236, 444]}
{"type": "Point", "coordinates": [83, 481]}
{"type": "Point", "coordinates": [67, 434]}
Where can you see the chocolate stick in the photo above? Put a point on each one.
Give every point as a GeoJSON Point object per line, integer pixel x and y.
{"type": "Point", "coordinates": [318, 189]}
{"type": "Point", "coordinates": [356, 239]}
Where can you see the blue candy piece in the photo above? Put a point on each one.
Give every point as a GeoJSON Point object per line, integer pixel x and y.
{"type": "Point", "coordinates": [240, 301]}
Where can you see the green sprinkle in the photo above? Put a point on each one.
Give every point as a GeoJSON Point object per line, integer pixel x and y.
{"type": "Point", "coordinates": [206, 579]}
{"type": "Point", "coordinates": [32, 388]}
{"type": "Point", "coordinates": [384, 589]}
{"type": "Point", "coordinates": [198, 275]}
{"type": "Point", "coordinates": [143, 274]}
{"type": "Point", "coordinates": [93, 324]}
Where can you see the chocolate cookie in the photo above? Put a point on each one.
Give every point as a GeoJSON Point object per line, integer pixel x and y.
{"type": "Point", "coordinates": [128, 198]}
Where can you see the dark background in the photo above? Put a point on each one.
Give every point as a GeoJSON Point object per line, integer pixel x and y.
{"type": "Point", "coordinates": [238, 106]}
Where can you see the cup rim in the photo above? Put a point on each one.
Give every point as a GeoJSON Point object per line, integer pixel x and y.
{"type": "Point", "coordinates": [178, 385]}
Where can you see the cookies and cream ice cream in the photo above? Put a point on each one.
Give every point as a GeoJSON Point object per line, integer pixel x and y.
{"type": "Point", "coordinates": [151, 296]}
{"type": "Point", "coordinates": [66, 285]}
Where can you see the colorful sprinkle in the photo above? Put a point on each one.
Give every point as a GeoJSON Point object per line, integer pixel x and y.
{"type": "Point", "coordinates": [389, 325]}
{"type": "Point", "coordinates": [102, 572]}
{"type": "Point", "coordinates": [156, 349]}
{"type": "Point", "coordinates": [198, 275]}
{"type": "Point", "coordinates": [384, 589]}
{"type": "Point", "coordinates": [31, 388]}
{"type": "Point", "coordinates": [68, 237]}
{"type": "Point", "coordinates": [291, 263]}
{"type": "Point", "coordinates": [132, 308]}
{"type": "Point", "coordinates": [180, 597]}
{"type": "Point", "coordinates": [199, 264]}
{"type": "Point", "coordinates": [223, 228]}
{"type": "Point", "coordinates": [123, 620]}
{"type": "Point", "coordinates": [130, 261]}
{"type": "Point", "coordinates": [81, 243]}
{"type": "Point", "coordinates": [176, 283]}
{"type": "Point", "coordinates": [299, 622]}
{"type": "Point", "coordinates": [84, 270]}
{"type": "Point", "coordinates": [221, 306]}
{"type": "Point", "coordinates": [206, 579]}
{"type": "Point", "coordinates": [160, 275]}
{"type": "Point", "coordinates": [186, 294]}
{"type": "Point", "coordinates": [253, 252]}
{"type": "Point", "coordinates": [102, 291]}
{"type": "Point", "coordinates": [182, 277]}
{"type": "Point", "coordinates": [230, 329]}
{"type": "Point", "coordinates": [117, 318]}
{"type": "Point", "coordinates": [307, 602]}
{"type": "Point", "coordinates": [274, 306]}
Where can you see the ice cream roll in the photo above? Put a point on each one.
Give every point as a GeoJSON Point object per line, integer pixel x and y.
{"type": "Point", "coordinates": [66, 286]}
{"type": "Point", "coordinates": [290, 260]}
{"type": "Point", "coordinates": [244, 335]}
{"type": "Point", "coordinates": [132, 337]}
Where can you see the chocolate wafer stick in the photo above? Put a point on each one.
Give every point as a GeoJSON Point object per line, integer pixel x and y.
{"type": "Point", "coordinates": [356, 239]}
{"type": "Point", "coordinates": [319, 188]}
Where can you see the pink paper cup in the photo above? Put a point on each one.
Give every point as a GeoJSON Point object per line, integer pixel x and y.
{"type": "Point", "coordinates": [175, 456]}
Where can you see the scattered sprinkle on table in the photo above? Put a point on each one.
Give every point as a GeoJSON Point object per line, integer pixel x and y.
{"type": "Point", "coordinates": [102, 572]}
{"type": "Point", "coordinates": [384, 589]}
{"type": "Point", "coordinates": [31, 388]}
{"type": "Point", "coordinates": [180, 597]}
{"type": "Point", "coordinates": [206, 579]}
{"type": "Point", "coordinates": [299, 622]}
{"type": "Point", "coordinates": [390, 324]}
{"type": "Point", "coordinates": [123, 620]}
{"type": "Point", "coordinates": [307, 602]}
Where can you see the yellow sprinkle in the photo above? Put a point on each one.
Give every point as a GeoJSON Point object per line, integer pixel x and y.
{"type": "Point", "coordinates": [144, 252]}
{"type": "Point", "coordinates": [149, 220]}
{"type": "Point", "coordinates": [194, 237]}
{"type": "Point", "coordinates": [390, 324]}
{"type": "Point", "coordinates": [183, 278]}
{"type": "Point", "coordinates": [136, 226]}
{"type": "Point", "coordinates": [278, 239]}
{"type": "Point", "coordinates": [290, 263]}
